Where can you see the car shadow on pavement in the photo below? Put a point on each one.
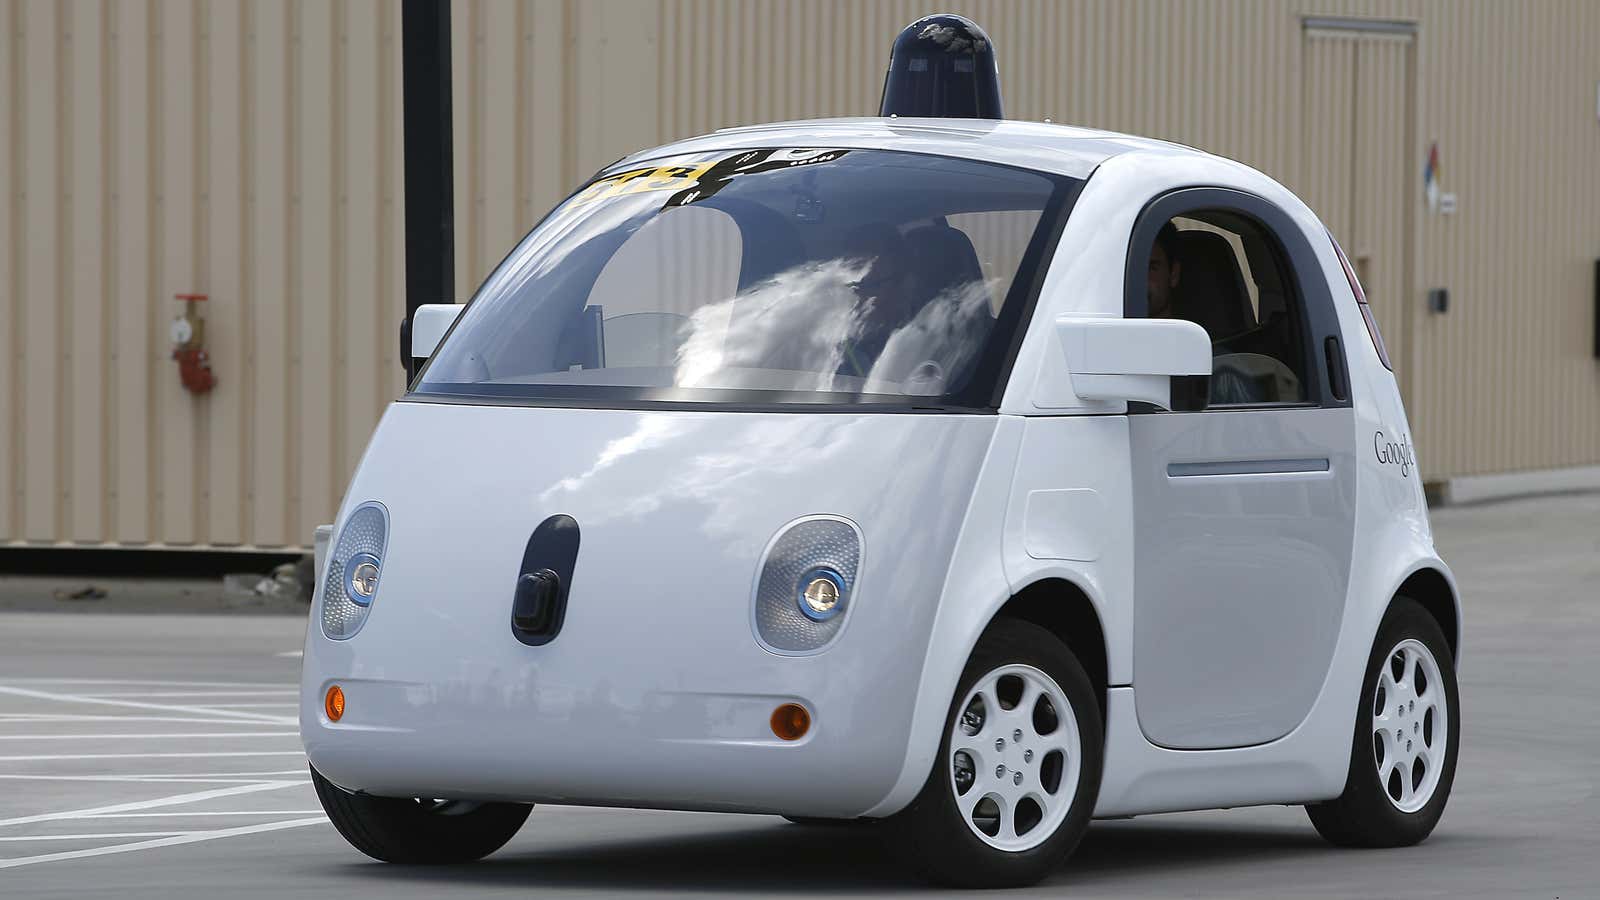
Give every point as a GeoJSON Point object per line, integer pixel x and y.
{"type": "Point", "coordinates": [832, 858]}
{"type": "Point", "coordinates": [1113, 849]}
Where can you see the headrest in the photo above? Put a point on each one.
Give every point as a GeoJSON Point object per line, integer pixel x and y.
{"type": "Point", "coordinates": [1211, 288]}
{"type": "Point", "coordinates": [944, 257]}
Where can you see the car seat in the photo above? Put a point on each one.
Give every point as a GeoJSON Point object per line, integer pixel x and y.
{"type": "Point", "coordinates": [942, 257]}
{"type": "Point", "coordinates": [1211, 289]}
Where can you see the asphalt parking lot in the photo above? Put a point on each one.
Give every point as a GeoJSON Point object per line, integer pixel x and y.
{"type": "Point", "coordinates": [157, 756]}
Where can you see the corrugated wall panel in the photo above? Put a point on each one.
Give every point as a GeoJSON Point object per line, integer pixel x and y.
{"type": "Point", "coordinates": [1377, 184]}
{"type": "Point", "coordinates": [267, 53]}
{"type": "Point", "coordinates": [10, 292]}
{"type": "Point", "coordinates": [548, 170]}
{"type": "Point", "coordinates": [313, 199]}
{"type": "Point", "coordinates": [132, 324]}
{"type": "Point", "coordinates": [1580, 141]}
{"type": "Point", "coordinates": [40, 264]}
{"type": "Point", "coordinates": [467, 86]}
{"type": "Point", "coordinates": [222, 441]}
{"type": "Point", "coordinates": [497, 93]}
{"type": "Point", "coordinates": [176, 49]}
{"type": "Point", "coordinates": [359, 219]}
{"type": "Point", "coordinates": [83, 359]}
{"type": "Point", "coordinates": [1327, 121]}
{"type": "Point", "coordinates": [250, 150]}
{"type": "Point", "coordinates": [391, 381]}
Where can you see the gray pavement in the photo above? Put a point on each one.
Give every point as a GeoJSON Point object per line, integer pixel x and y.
{"type": "Point", "coordinates": [156, 756]}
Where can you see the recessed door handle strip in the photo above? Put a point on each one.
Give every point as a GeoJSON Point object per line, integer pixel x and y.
{"type": "Point", "coordinates": [1302, 466]}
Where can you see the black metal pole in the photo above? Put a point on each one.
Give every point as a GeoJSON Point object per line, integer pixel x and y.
{"type": "Point", "coordinates": [429, 174]}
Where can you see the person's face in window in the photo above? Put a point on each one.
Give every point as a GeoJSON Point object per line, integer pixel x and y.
{"type": "Point", "coordinates": [886, 283]}
{"type": "Point", "coordinates": [1161, 280]}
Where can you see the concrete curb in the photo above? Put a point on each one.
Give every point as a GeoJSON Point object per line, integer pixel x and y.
{"type": "Point", "coordinates": [1505, 485]}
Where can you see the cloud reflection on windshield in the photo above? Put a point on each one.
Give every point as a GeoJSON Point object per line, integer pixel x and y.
{"type": "Point", "coordinates": [812, 324]}
{"type": "Point", "coordinates": [798, 320]}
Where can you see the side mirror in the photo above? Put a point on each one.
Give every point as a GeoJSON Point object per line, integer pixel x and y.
{"type": "Point", "coordinates": [1164, 362]}
{"type": "Point", "coordinates": [428, 325]}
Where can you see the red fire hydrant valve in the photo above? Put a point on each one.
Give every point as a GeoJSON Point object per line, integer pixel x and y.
{"type": "Point", "coordinates": [188, 346]}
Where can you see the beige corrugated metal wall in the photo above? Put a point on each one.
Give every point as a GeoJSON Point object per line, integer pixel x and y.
{"type": "Point", "coordinates": [249, 149]}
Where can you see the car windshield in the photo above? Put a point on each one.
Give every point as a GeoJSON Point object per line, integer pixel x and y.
{"type": "Point", "coordinates": [766, 277]}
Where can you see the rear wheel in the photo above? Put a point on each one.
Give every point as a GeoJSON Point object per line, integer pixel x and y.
{"type": "Point", "coordinates": [1408, 728]}
{"type": "Point", "coordinates": [419, 831]}
{"type": "Point", "coordinates": [1018, 770]}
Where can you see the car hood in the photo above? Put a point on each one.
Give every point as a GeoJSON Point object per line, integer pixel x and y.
{"type": "Point", "coordinates": [675, 509]}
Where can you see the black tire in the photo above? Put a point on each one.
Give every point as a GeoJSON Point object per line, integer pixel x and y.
{"type": "Point", "coordinates": [1364, 815]}
{"type": "Point", "coordinates": [931, 835]}
{"type": "Point", "coordinates": [419, 832]}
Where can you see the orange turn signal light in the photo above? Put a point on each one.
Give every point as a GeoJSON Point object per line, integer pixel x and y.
{"type": "Point", "coordinates": [791, 721]}
{"type": "Point", "coordinates": [333, 704]}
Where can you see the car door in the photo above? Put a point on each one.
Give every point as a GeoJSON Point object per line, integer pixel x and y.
{"type": "Point", "coordinates": [1243, 511]}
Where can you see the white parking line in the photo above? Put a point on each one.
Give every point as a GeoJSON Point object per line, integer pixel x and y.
{"type": "Point", "coordinates": [60, 756]}
{"type": "Point", "coordinates": [90, 837]}
{"type": "Point", "coordinates": [240, 693]}
{"type": "Point", "coordinates": [191, 735]}
{"type": "Point", "coordinates": [191, 838]}
{"type": "Point", "coordinates": [221, 710]}
{"type": "Point", "coordinates": [131, 704]}
{"type": "Point", "coordinates": [206, 813]}
{"type": "Point", "coordinates": [232, 777]}
{"type": "Point", "coordinates": [174, 800]}
{"type": "Point", "coordinates": [220, 779]}
{"type": "Point", "coordinates": [60, 717]}
{"type": "Point", "coordinates": [154, 683]}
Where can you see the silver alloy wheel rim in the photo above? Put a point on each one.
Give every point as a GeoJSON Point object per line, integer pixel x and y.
{"type": "Point", "coordinates": [1410, 725]}
{"type": "Point", "coordinates": [1014, 768]}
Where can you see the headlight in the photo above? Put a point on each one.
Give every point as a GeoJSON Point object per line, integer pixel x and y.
{"type": "Point", "coordinates": [355, 570]}
{"type": "Point", "coordinates": [821, 594]}
{"type": "Point", "coordinates": [361, 578]}
{"type": "Point", "coordinates": [807, 582]}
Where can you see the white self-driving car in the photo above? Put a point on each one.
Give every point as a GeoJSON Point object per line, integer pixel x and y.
{"type": "Point", "coordinates": [968, 478]}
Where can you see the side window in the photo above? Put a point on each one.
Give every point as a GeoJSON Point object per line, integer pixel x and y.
{"type": "Point", "coordinates": [1226, 272]}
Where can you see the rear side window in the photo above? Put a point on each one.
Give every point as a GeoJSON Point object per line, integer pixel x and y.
{"type": "Point", "coordinates": [1247, 273]}
{"type": "Point", "coordinates": [1224, 271]}
{"type": "Point", "coordinates": [1361, 302]}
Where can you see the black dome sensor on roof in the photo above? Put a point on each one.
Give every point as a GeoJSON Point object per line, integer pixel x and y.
{"type": "Point", "coordinates": [942, 66]}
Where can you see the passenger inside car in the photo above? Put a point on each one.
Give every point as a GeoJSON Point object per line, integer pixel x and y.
{"type": "Point", "coordinates": [1164, 274]}
{"type": "Point", "coordinates": [1223, 276]}
{"type": "Point", "coordinates": [925, 284]}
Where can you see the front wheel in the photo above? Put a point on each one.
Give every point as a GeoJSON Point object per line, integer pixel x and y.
{"type": "Point", "coordinates": [419, 831]}
{"type": "Point", "coordinates": [1018, 770]}
{"type": "Point", "coordinates": [1408, 730]}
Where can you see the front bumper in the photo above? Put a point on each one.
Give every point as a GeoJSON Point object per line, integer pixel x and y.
{"type": "Point", "coordinates": [657, 715]}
